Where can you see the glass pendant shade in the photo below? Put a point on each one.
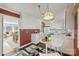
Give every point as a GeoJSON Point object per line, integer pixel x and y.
{"type": "Point", "coordinates": [48, 15]}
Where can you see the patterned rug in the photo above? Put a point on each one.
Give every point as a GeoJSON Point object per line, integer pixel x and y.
{"type": "Point", "coordinates": [34, 50]}
{"type": "Point", "coordinates": [38, 50]}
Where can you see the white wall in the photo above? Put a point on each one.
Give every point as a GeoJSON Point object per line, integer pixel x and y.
{"type": "Point", "coordinates": [69, 42]}
{"type": "Point", "coordinates": [0, 34]}
{"type": "Point", "coordinates": [30, 22]}
{"type": "Point", "coordinates": [10, 19]}
{"type": "Point", "coordinates": [0, 4]}
{"type": "Point", "coordinates": [69, 19]}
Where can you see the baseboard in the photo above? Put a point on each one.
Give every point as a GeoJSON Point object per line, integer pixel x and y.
{"type": "Point", "coordinates": [25, 45]}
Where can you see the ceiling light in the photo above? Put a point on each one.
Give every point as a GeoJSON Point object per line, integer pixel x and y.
{"type": "Point", "coordinates": [47, 15]}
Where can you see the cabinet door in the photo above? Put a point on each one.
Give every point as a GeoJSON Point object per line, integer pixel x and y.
{"type": "Point", "coordinates": [35, 37]}
{"type": "Point", "coordinates": [25, 37]}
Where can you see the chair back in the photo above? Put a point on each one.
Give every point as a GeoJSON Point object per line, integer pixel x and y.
{"type": "Point", "coordinates": [57, 40]}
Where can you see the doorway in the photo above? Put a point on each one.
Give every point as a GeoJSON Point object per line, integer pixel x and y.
{"type": "Point", "coordinates": [10, 34]}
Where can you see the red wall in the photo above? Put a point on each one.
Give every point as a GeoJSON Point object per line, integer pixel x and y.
{"type": "Point", "coordinates": [25, 35]}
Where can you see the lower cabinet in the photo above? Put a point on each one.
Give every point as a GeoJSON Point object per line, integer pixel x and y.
{"type": "Point", "coordinates": [35, 38]}
{"type": "Point", "coordinates": [25, 35]}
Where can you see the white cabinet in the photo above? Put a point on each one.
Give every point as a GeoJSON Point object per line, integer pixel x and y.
{"type": "Point", "coordinates": [35, 38]}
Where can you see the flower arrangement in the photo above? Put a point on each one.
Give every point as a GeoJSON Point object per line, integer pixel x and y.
{"type": "Point", "coordinates": [48, 37]}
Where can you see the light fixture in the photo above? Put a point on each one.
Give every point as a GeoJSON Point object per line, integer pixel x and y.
{"type": "Point", "coordinates": [47, 15]}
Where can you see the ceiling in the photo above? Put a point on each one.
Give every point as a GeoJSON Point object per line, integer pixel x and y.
{"type": "Point", "coordinates": [32, 9]}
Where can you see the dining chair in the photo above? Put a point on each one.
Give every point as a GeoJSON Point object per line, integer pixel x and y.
{"type": "Point", "coordinates": [57, 42]}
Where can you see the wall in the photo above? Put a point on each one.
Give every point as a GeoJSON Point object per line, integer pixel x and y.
{"type": "Point", "coordinates": [30, 22]}
{"type": "Point", "coordinates": [70, 20]}
{"type": "Point", "coordinates": [69, 42]}
{"type": "Point", "coordinates": [0, 34]}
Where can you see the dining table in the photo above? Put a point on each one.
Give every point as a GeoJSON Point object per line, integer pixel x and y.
{"type": "Point", "coordinates": [46, 42]}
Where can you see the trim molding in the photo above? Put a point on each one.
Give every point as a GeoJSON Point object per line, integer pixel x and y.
{"type": "Point", "coordinates": [25, 45]}
{"type": "Point", "coordinates": [7, 12]}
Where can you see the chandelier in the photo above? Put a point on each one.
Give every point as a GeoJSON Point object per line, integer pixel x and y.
{"type": "Point", "coordinates": [47, 15]}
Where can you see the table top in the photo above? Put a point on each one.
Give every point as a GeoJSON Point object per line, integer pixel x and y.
{"type": "Point", "coordinates": [45, 42]}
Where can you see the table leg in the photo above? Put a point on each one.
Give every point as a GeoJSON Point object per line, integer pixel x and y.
{"type": "Point", "coordinates": [46, 48]}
